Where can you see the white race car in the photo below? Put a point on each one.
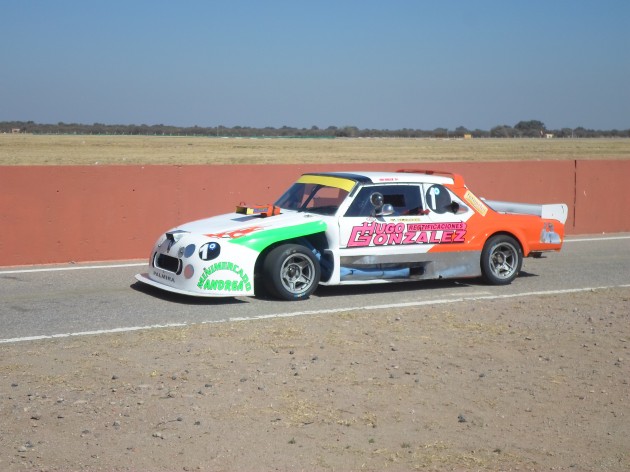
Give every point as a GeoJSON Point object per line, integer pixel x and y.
{"type": "Point", "coordinates": [354, 228]}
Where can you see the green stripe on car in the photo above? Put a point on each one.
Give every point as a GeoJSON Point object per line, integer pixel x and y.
{"type": "Point", "coordinates": [259, 240]}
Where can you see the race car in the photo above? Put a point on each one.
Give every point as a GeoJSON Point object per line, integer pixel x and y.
{"type": "Point", "coordinates": [342, 228]}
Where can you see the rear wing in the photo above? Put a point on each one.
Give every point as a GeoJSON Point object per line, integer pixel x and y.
{"type": "Point", "coordinates": [552, 211]}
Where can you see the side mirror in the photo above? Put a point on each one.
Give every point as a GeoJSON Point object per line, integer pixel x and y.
{"type": "Point", "coordinates": [457, 209]}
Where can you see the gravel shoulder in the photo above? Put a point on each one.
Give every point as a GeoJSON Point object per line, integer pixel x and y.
{"type": "Point", "coordinates": [525, 383]}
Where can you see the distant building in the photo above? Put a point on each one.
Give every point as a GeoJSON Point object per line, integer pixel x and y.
{"type": "Point", "coordinates": [548, 135]}
{"type": "Point", "coordinates": [16, 130]}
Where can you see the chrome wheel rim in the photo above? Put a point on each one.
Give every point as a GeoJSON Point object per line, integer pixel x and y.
{"type": "Point", "coordinates": [504, 260]}
{"type": "Point", "coordinates": [297, 273]}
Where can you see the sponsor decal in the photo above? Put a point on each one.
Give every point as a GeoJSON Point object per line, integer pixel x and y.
{"type": "Point", "coordinates": [161, 275]}
{"type": "Point", "coordinates": [476, 203]}
{"type": "Point", "coordinates": [209, 251]}
{"type": "Point", "coordinates": [438, 198]}
{"type": "Point", "coordinates": [386, 234]}
{"type": "Point", "coordinates": [405, 219]}
{"type": "Point", "coordinates": [236, 233]}
{"type": "Point", "coordinates": [210, 279]}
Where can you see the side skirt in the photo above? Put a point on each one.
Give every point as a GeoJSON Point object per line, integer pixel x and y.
{"type": "Point", "coordinates": [423, 266]}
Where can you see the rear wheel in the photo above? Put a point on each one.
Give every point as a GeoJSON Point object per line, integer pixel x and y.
{"type": "Point", "coordinates": [501, 260]}
{"type": "Point", "coordinates": [291, 272]}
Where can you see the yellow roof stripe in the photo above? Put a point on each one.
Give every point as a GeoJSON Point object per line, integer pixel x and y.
{"type": "Point", "coordinates": [329, 181]}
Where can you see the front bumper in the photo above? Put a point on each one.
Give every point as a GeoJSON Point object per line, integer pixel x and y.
{"type": "Point", "coordinates": [186, 266]}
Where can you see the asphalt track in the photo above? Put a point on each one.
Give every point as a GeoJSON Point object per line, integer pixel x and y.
{"type": "Point", "coordinates": [89, 300]}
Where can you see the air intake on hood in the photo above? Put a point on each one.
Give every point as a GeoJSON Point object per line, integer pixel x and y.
{"type": "Point", "coordinates": [174, 236]}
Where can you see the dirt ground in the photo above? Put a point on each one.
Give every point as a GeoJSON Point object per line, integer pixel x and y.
{"type": "Point", "coordinates": [526, 383]}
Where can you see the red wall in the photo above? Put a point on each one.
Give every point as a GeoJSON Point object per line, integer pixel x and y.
{"type": "Point", "coordinates": [58, 214]}
{"type": "Point", "coordinates": [602, 197]}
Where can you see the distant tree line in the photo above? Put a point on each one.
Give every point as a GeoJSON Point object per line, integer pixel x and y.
{"type": "Point", "coordinates": [522, 129]}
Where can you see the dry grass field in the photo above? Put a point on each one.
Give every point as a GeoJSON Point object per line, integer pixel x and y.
{"type": "Point", "coordinates": [27, 149]}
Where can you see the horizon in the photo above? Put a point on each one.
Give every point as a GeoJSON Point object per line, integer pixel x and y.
{"type": "Point", "coordinates": [312, 128]}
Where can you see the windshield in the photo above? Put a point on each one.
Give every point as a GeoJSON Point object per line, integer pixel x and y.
{"type": "Point", "coordinates": [312, 197]}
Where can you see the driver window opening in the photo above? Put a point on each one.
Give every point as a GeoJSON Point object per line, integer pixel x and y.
{"type": "Point", "coordinates": [404, 199]}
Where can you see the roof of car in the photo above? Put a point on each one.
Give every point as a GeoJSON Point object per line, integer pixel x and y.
{"type": "Point", "coordinates": [367, 177]}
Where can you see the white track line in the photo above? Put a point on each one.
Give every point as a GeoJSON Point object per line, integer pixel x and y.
{"type": "Point", "coordinates": [59, 269]}
{"type": "Point", "coordinates": [92, 333]}
{"type": "Point", "coordinates": [608, 238]}
{"type": "Point", "coordinates": [418, 303]}
{"type": "Point", "coordinates": [310, 312]}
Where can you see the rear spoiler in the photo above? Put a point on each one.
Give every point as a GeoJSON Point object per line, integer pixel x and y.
{"type": "Point", "coordinates": [551, 211]}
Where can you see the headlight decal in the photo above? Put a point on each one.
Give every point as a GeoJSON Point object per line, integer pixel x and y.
{"type": "Point", "coordinates": [189, 271]}
{"type": "Point", "coordinates": [189, 250]}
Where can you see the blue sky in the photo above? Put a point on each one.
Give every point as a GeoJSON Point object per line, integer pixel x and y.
{"type": "Point", "coordinates": [371, 64]}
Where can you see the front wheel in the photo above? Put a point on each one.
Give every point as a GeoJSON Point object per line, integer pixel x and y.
{"type": "Point", "coordinates": [501, 260]}
{"type": "Point", "coordinates": [291, 272]}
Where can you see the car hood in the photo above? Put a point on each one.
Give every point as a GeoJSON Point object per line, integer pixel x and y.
{"type": "Point", "coordinates": [236, 225]}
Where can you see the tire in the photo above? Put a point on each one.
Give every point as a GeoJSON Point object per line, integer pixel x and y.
{"type": "Point", "coordinates": [501, 260]}
{"type": "Point", "coordinates": [291, 272]}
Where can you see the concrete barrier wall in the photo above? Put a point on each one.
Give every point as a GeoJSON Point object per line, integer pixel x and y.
{"type": "Point", "coordinates": [59, 214]}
